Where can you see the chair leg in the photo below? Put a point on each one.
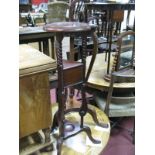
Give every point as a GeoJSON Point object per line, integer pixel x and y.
{"type": "Point", "coordinates": [88, 131]}
{"type": "Point", "coordinates": [40, 49]}
{"type": "Point", "coordinates": [71, 95]}
{"type": "Point", "coordinates": [47, 134]}
{"type": "Point", "coordinates": [55, 121]}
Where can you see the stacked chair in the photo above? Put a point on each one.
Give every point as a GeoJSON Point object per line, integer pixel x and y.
{"type": "Point", "coordinates": [118, 101]}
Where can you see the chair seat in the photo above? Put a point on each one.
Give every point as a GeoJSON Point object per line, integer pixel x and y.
{"type": "Point", "coordinates": [115, 110]}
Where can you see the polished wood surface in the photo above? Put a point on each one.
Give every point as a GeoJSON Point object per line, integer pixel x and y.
{"type": "Point", "coordinates": [67, 27]}
{"type": "Point", "coordinates": [96, 78]}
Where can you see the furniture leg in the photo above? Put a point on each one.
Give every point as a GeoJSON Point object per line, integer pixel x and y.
{"type": "Point", "coordinates": [71, 94]}
{"type": "Point", "coordinates": [46, 47]}
{"type": "Point", "coordinates": [61, 92]}
{"type": "Point", "coordinates": [98, 29]}
{"type": "Point", "coordinates": [55, 121]}
{"type": "Point", "coordinates": [83, 108]}
{"type": "Point", "coordinates": [95, 39]}
{"type": "Point", "coordinates": [39, 46]}
{"type": "Point", "coordinates": [87, 131]}
{"type": "Point", "coordinates": [108, 36]}
{"type": "Point", "coordinates": [47, 132]}
{"type": "Point", "coordinates": [110, 39]}
{"type": "Point", "coordinates": [71, 57]}
{"type": "Point", "coordinates": [52, 48]}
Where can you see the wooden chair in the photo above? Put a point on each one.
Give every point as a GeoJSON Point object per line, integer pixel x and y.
{"type": "Point", "coordinates": [125, 55]}
{"type": "Point", "coordinates": [123, 71]}
{"type": "Point", "coordinates": [123, 58]}
{"type": "Point", "coordinates": [77, 13]}
{"type": "Point", "coordinates": [120, 104]}
{"type": "Point", "coordinates": [57, 11]}
{"type": "Point", "coordinates": [118, 101]}
{"type": "Point", "coordinates": [76, 10]}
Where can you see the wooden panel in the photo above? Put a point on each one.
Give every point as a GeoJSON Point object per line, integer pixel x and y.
{"type": "Point", "coordinates": [73, 75]}
{"type": "Point", "coordinates": [34, 103]}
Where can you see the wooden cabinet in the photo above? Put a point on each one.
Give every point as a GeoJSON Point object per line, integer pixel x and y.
{"type": "Point", "coordinates": [34, 90]}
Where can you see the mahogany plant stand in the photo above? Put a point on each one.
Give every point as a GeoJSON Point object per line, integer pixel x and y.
{"type": "Point", "coordinates": [71, 73]}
